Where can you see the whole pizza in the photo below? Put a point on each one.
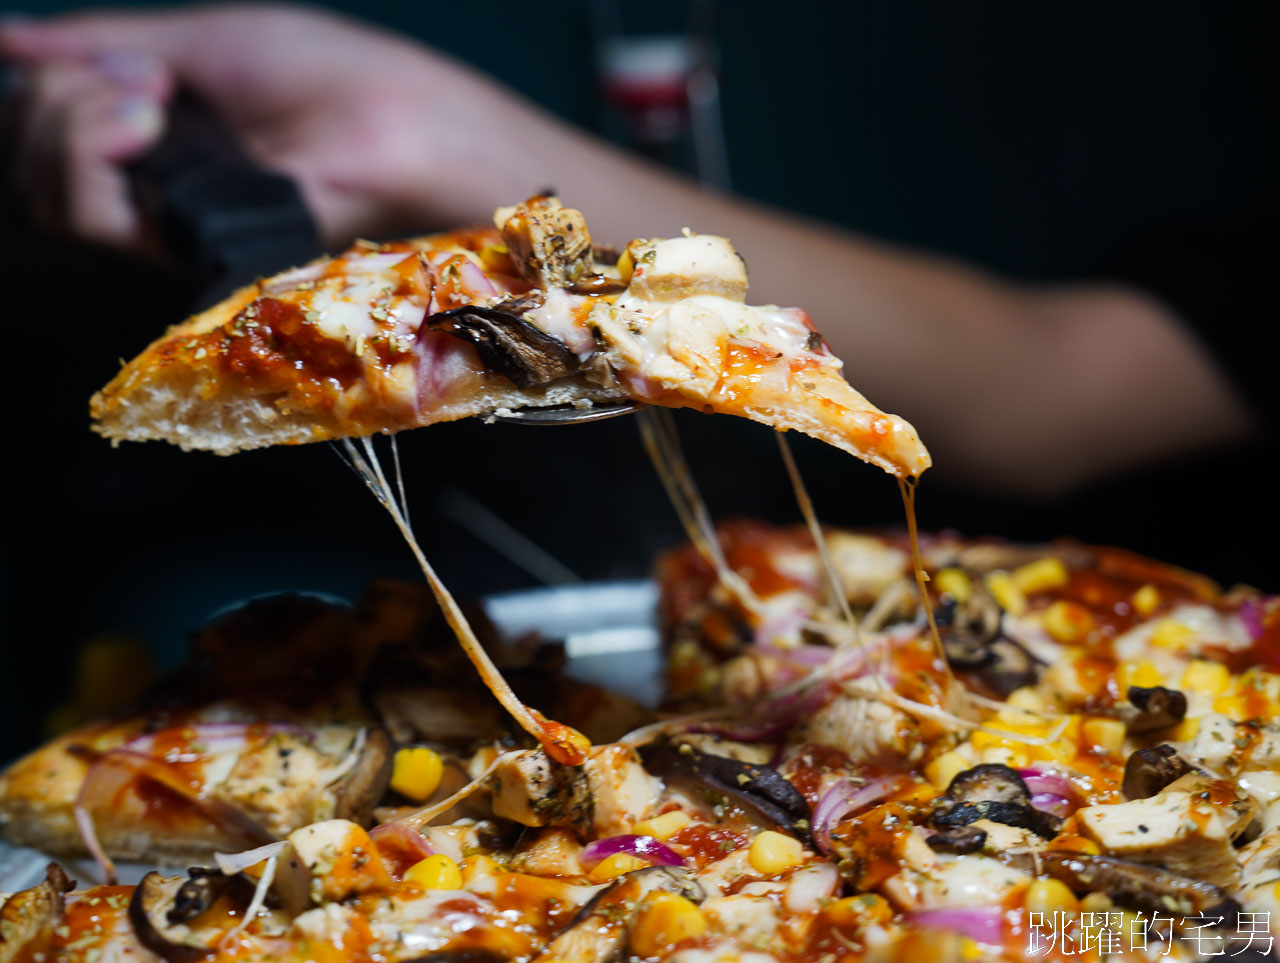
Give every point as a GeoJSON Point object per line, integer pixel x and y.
{"type": "Point", "coordinates": [874, 745]}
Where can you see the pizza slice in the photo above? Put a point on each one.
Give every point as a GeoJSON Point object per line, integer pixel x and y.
{"type": "Point", "coordinates": [386, 337]}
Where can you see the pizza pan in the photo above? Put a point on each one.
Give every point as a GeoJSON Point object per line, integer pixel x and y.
{"type": "Point", "coordinates": [610, 637]}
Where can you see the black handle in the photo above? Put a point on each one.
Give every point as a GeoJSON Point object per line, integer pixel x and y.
{"type": "Point", "coordinates": [219, 214]}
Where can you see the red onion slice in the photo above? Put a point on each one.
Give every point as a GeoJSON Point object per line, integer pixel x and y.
{"type": "Point", "coordinates": [1251, 614]}
{"type": "Point", "coordinates": [1040, 781]}
{"type": "Point", "coordinates": [402, 838]}
{"type": "Point", "coordinates": [1052, 803]}
{"type": "Point", "coordinates": [982, 924]}
{"type": "Point", "coordinates": [89, 836]}
{"type": "Point", "coordinates": [204, 739]}
{"type": "Point", "coordinates": [806, 655]}
{"type": "Point", "coordinates": [844, 798]}
{"type": "Point", "coordinates": [645, 847]}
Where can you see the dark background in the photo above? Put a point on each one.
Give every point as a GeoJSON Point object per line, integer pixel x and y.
{"type": "Point", "coordinates": [1040, 140]}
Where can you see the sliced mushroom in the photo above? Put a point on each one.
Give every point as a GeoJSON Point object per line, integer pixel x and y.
{"type": "Point", "coordinates": [29, 918]}
{"type": "Point", "coordinates": [990, 791]}
{"type": "Point", "coordinates": [362, 787]}
{"type": "Point", "coordinates": [1149, 770]}
{"type": "Point", "coordinates": [1154, 707]}
{"type": "Point", "coordinates": [202, 888]}
{"type": "Point", "coordinates": [958, 840]}
{"type": "Point", "coordinates": [598, 284]}
{"type": "Point", "coordinates": [967, 629]}
{"type": "Point", "coordinates": [972, 641]}
{"type": "Point", "coordinates": [1011, 668]}
{"type": "Point", "coordinates": [1147, 889]}
{"type": "Point", "coordinates": [163, 908]}
{"type": "Point", "coordinates": [597, 931]}
{"type": "Point", "coordinates": [508, 344]}
{"type": "Point", "coordinates": [758, 787]}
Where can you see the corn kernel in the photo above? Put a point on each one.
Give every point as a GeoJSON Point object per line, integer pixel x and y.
{"type": "Point", "coordinates": [1143, 674]}
{"type": "Point", "coordinates": [954, 582]}
{"type": "Point", "coordinates": [626, 265]}
{"type": "Point", "coordinates": [1019, 721]}
{"type": "Point", "coordinates": [1146, 600]}
{"type": "Point", "coordinates": [1067, 622]}
{"type": "Point", "coordinates": [1210, 678]}
{"type": "Point", "coordinates": [665, 919]}
{"type": "Point", "coordinates": [1006, 592]}
{"type": "Point", "coordinates": [477, 867]}
{"type": "Point", "coordinates": [437, 871]}
{"type": "Point", "coordinates": [1104, 734]}
{"type": "Point", "coordinates": [861, 910]}
{"type": "Point", "coordinates": [946, 767]}
{"type": "Point", "coordinates": [1184, 730]}
{"type": "Point", "coordinates": [1026, 698]}
{"type": "Point", "coordinates": [1171, 634]}
{"type": "Point", "coordinates": [1041, 575]}
{"type": "Point", "coordinates": [664, 826]}
{"type": "Point", "coordinates": [773, 853]}
{"type": "Point", "coordinates": [416, 772]}
{"type": "Point", "coordinates": [1050, 895]}
{"type": "Point", "coordinates": [999, 756]}
{"type": "Point", "coordinates": [611, 867]}
{"type": "Point", "coordinates": [1077, 844]}
{"type": "Point", "coordinates": [495, 257]}
{"type": "Point", "coordinates": [1232, 706]}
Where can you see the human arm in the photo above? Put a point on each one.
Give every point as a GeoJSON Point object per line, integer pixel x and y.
{"type": "Point", "coordinates": [1019, 389]}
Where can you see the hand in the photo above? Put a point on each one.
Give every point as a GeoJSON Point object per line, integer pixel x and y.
{"type": "Point", "coordinates": [381, 134]}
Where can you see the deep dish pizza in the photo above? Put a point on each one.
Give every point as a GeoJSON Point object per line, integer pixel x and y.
{"type": "Point", "coordinates": [392, 336]}
{"type": "Point", "coordinates": [1091, 762]}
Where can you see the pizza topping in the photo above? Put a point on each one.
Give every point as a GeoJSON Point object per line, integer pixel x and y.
{"type": "Point", "coordinates": [958, 841]}
{"type": "Point", "coordinates": [233, 863]}
{"type": "Point", "coordinates": [760, 788]}
{"type": "Point", "coordinates": [1156, 708]}
{"type": "Point", "coordinates": [601, 927]}
{"type": "Point", "coordinates": [1149, 770]}
{"type": "Point", "coordinates": [982, 924]}
{"type": "Point", "coordinates": [508, 344]}
{"type": "Point", "coordinates": [1147, 889]}
{"type": "Point", "coordinates": [990, 791]}
{"type": "Point", "coordinates": [1187, 828]}
{"type": "Point", "coordinates": [549, 243]}
{"type": "Point", "coordinates": [328, 861]}
{"type": "Point", "coordinates": [844, 798]}
{"type": "Point", "coordinates": [32, 915]}
{"type": "Point", "coordinates": [643, 847]}
{"type": "Point", "coordinates": [682, 267]}
{"type": "Point", "coordinates": [165, 911]}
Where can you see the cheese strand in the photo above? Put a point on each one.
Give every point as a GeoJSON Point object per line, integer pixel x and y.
{"type": "Point", "coordinates": [836, 586]}
{"type": "Point", "coordinates": [662, 444]}
{"type": "Point", "coordinates": [562, 743]}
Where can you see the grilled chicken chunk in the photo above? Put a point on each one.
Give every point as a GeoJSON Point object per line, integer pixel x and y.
{"type": "Point", "coordinates": [1187, 828]}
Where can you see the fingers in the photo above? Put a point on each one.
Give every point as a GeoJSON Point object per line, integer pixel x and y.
{"type": "Point", "coordinates": [81, 36]}
{"type": "Point", "coordinates": [76, 124]}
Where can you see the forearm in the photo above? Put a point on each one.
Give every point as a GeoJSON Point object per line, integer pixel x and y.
{"type": "Point", "coordinates": [1016, 389]}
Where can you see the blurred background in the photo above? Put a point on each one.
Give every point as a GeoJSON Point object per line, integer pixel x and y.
{"type": "Point", "coordinates": [1039, 140]}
